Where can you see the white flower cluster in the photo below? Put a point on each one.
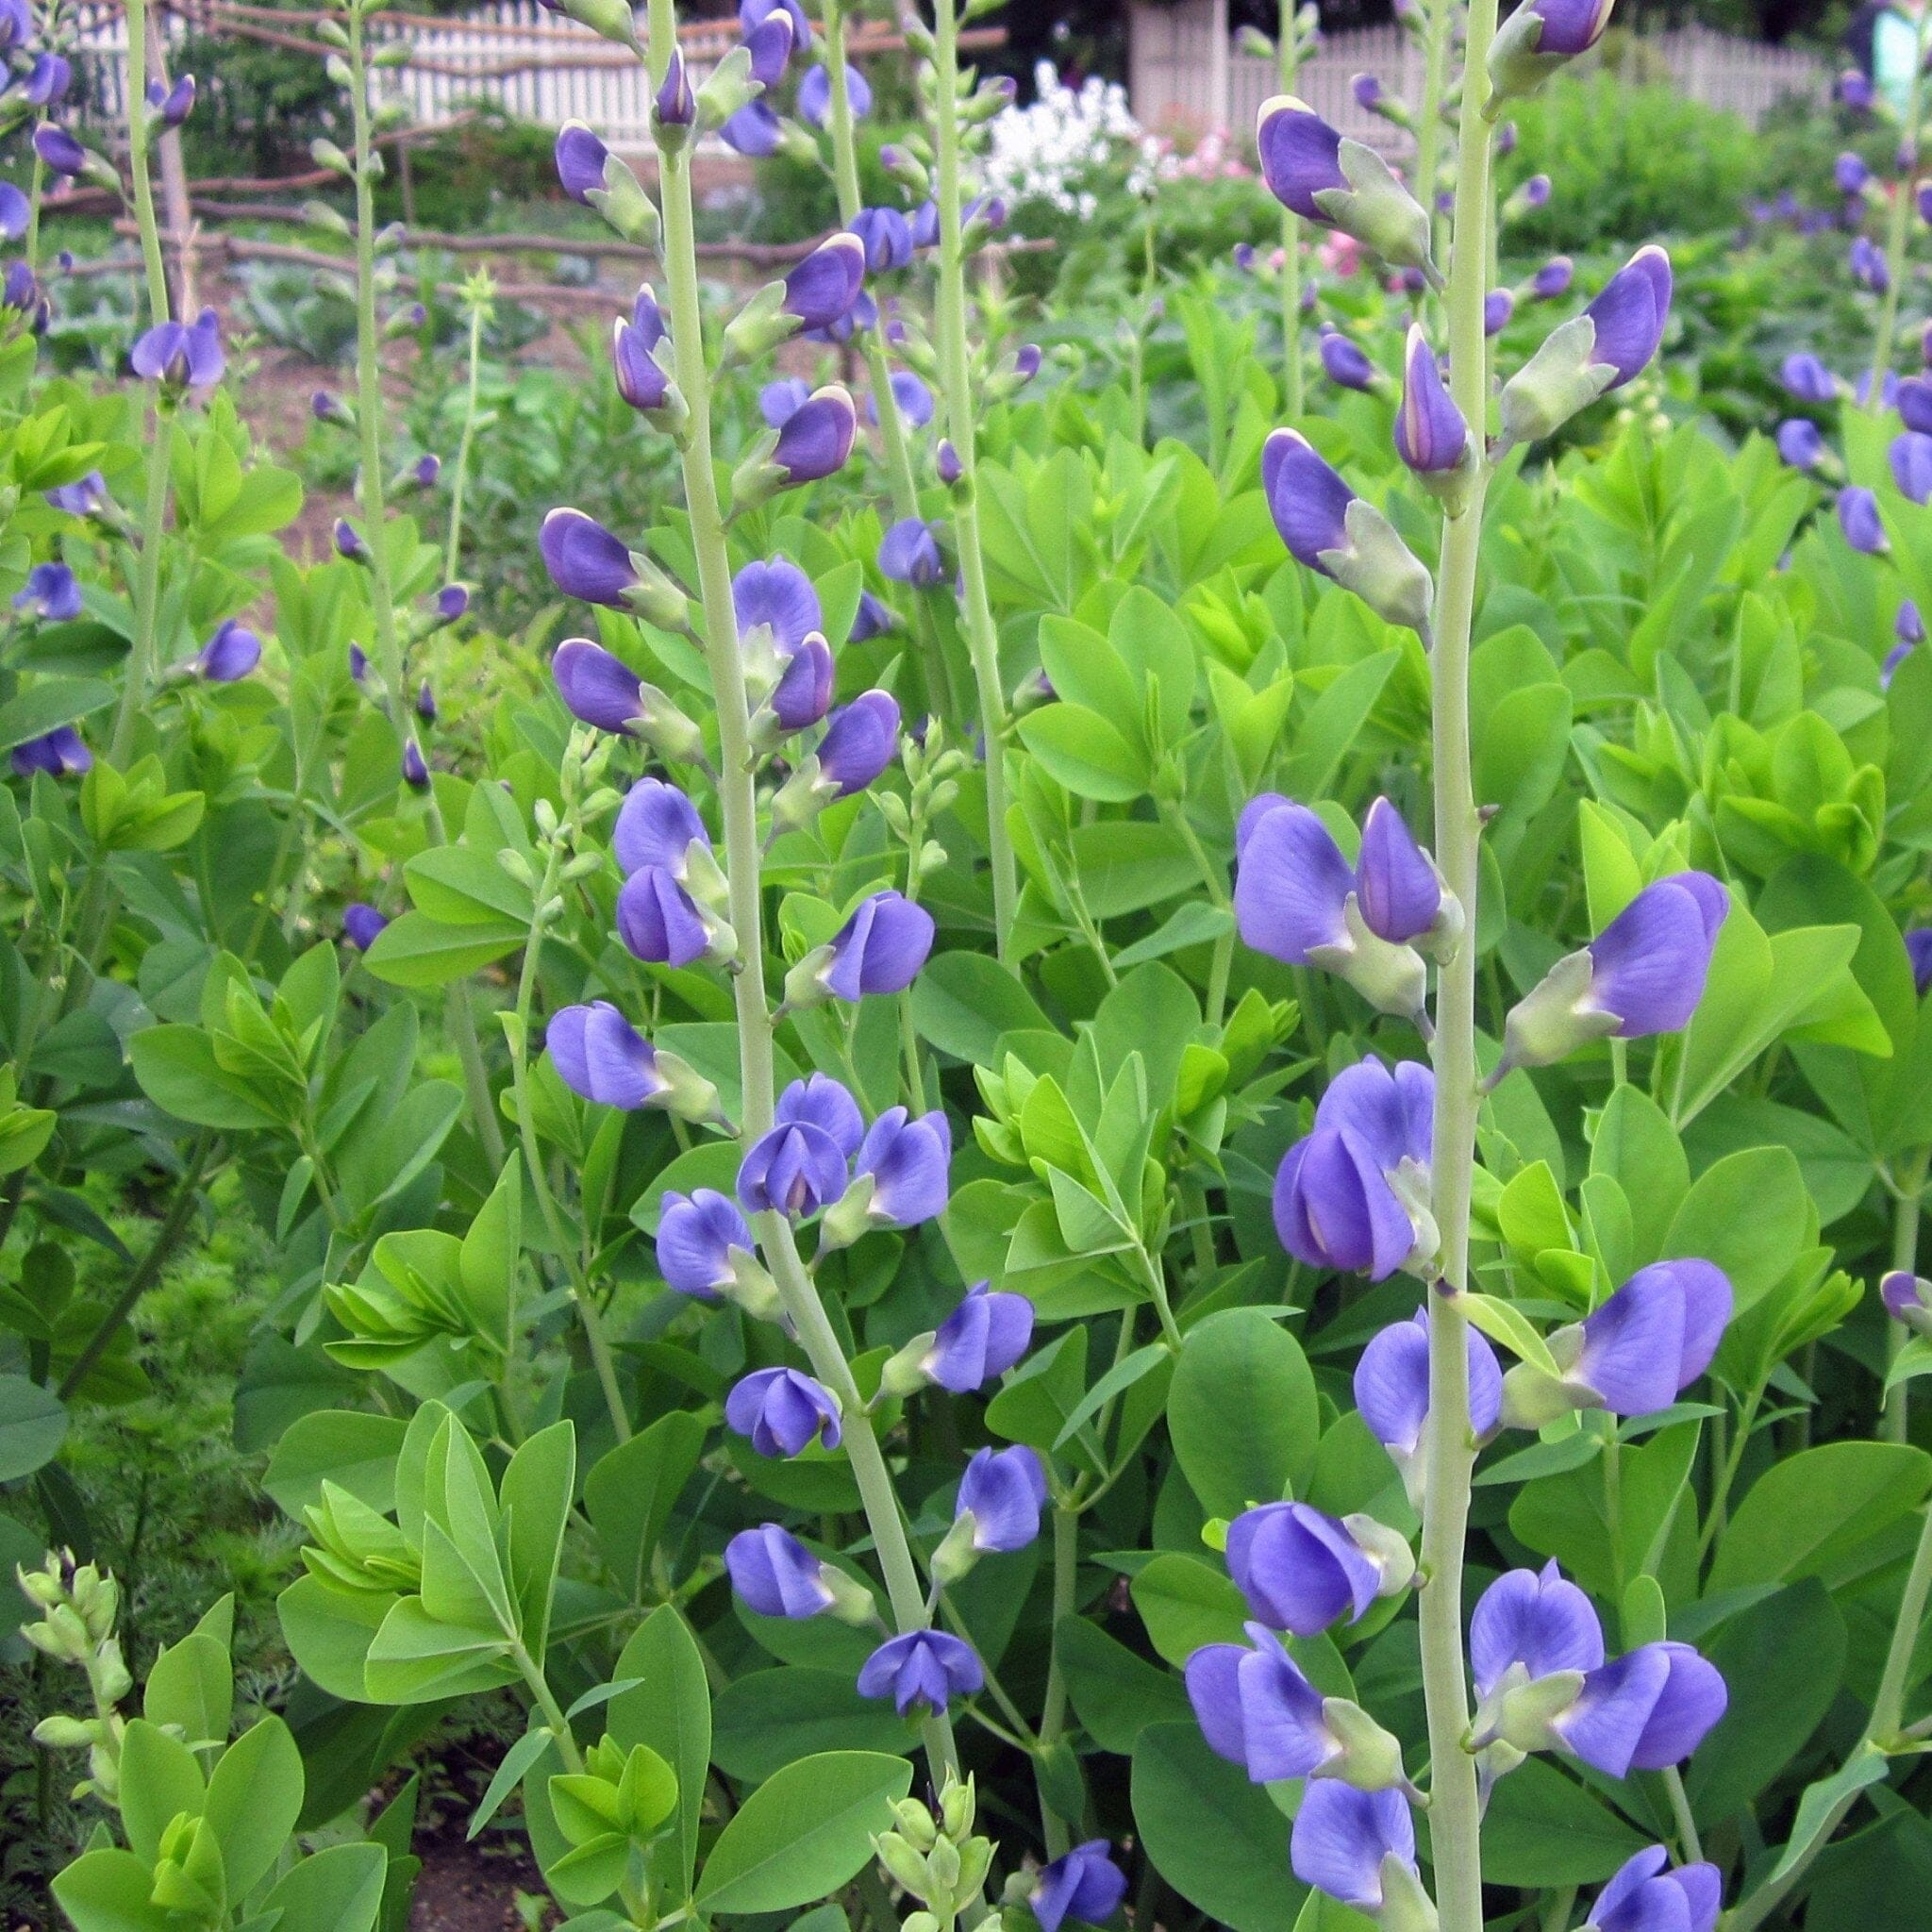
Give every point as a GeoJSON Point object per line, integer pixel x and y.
{"type": "Point", "coordinates": [1060, 149]}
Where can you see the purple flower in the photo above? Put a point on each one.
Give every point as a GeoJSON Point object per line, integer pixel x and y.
{"type": "Point", "coordinates": [880, 948]}
{"type": "Point", "coordinates": [415, 770]}
{"type": "Point", "coordinates": [1305, 168]}
{"type": "Point", "coordinates": [1647, 1710]}
{"type": "Point", "coordinates": [1367, 89]}
{"type": "Point", "coordinates": [1297, 899]}
{"type": "Point", "coordinates": [778, 402]}
{"type": "Point", "coordinates": [779, 596]}
{"type": "Point", "coordinates": [641, 379]}
{"type": "Point", "coordinates": [585, 561]}
{"type": "Point", "coordinates": [816, 440]}
{"type": "Point", "coordinates": [783, 1412]}
{"type": "Point", "coordinates": [1083, 1884]}
{"type": "Point", "coordinates": [982, 1337]}
{"type": "Point", "coordinates": [1568, 28]}
{"type": "Point", "coordinates": [1855, 89]}
{"type": "Point", "coordinates": [946, 463]}
{"type": "Point", "coordinates": [425, 470]}
{"type": "Point", "coordinates": [51, 593]}
{"type": "Point", "coordinates": [1536, 191]}
{"type": "Point", "coordinates": [182, 355]}
{"type": "Point", "coordinates": [1003, 1491]}
{"type": "Point", "coordinates": [1911, 455]}
{"type": "Point", "coordinates": [922, 1669]}
{"type": "Point", "coordinates": [1630, 315]}
{"type": "Point", "coordinates": [1858, 519]}
{"type": "Point", "coordinates": [1914, 399]}
{"type": "Point", "coordinates": [425, 702]}
{"type": "Point", "coordinates": [1904, 1293]}
{"type": "Point", "coordinates": [596, 687]}
{"type": "Point", "coordinates": [1652, 1339]}
{"type": "Point", "coordinates": [47, 80]}
{"type": "Point", "coordinates": [59, 150]}
{"type": "Point", "coordinates": [658, 921]}
{"type": "Point", "coordinates": [59, 753]}
{"type": "Point", "coordinates": [1851, 173]}
{"type": "Point", "coordinates": [1537, 1619]}
{"type": "Point", "coordinates": [804, 692]}
{"type": "Point", "coordinates": [1808, 380]}
{"type": "Point", "coordinates": [698, 1236]}
{"type": "Point", "coordinates": [794, 1170]}
{"type": "Point", "coordinates": [861, 742]}
{"type": "Point", "coordinates": [1328, 528]}
{"type": "Point", "coordinates": [349, 541]}
{"type": "Point", "coordinates": [1301, 1569]}
{"type": "Point", "coordinates": [769, 43]}
{"type": "Point", "coordinates": [172, 104]}
{"type": "Point", "coordinates": [675, 104]}
{"type": "Point", "coordinates": [451, 602]}
{"type": "Point", "coordinates": [1499, 305]}
{"type": "Point", "coordinates": [1643, 1896]}
{"type": "Point", "coordinates": [886, 235]}
{"type": "Point", "coordinates": [755, 131]}
{"type": "Point", "coordinates": [232, 653]}
{"type": "Point", "coordinates": [1919, 951]}
{"type": "Point", "coordinates": [358, 661]}
{"type": "Point", "coordinates": [1800, 443]}
{"type": "Point", "coordinates": [1344, 363]}
{"type": "Point", "coordinates": [1888, 388]}
{"type": "Point", "coordinates": [598, 1054]}
{"type": "Point", "coordinates": [360, 924]}
{"type": "Point", "coordinates": [580, 159]}
{"type": "Point", "coordinates": [1345, 1840]}
{"type": "Point", "coordinates": [907, 1160]}
{"type": "Point", "coordinates": [913, 399]}
{"type": "Point", "coordinates": [87, 498]}
{"type": "Point", "coordinates": [815, 95]}
{"type": "Point", "coordinates": [752, 14]}
{"type": "Point", "coordinates": [775, 1575]}
{"type": "Point", "coordinates": [822, 1102]}
{"type": "Point", "coordinates": [1868, 265]}
{"type": "Point", "coordinates": [1553, 279]}
{"type": "Point", "coordinates": [1256, 1709]}
{"type": "Point", "coordinates": [870, 619]}
{"type": "Point", "coordinates": [656, 826]}
{"type": "Point", "coordinates": [1391, 1388]}
{"type": "Point", "coordinates": [910, 554]}
{"type": "Point", "coordinates": [823, 287]}
{"type": "Point", "coordinates": [1430, 437]}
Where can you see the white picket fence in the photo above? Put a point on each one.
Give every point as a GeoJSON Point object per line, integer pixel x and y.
{"type": "Point", "coordinates": [1174, 73]}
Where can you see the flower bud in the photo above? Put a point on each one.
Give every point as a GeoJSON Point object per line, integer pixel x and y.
{"type": "Point", "coordinates": [1337, 183]}
{"type": "Point", "coordinates": [591, 175]}
{"type": "Point", "coordinates": [1538, 38]}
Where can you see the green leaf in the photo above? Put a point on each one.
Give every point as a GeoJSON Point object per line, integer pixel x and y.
{"type": "Point", "coordinates": [178, 1071]}
{"type": "Point", "coordinates": [1243, 1413]}
{"type": "Point", "coordinates": [764, 1721]}
{"type": "Point", "coordinates": [670, 1711]}
{"type": "Point", "coordinates": [1774, 1707]}
{"type": "Point", "coordinates": [1749, 1213]}
{"type": "Point", "coordinates": [107, 1890]}
{"type": "Point", "coordinates": [1115, 1693]}
{"type": "Point", "coordinates": [350, 1448]}
{"type": "Point", "coordinates": [419, 951]}
{"type": "Point", "coordinates": [458, 885]}
{"type": "Point", "coordinates": [803, 1833]}
{"type": "Point", "coordinates": [510, 1772]}
{"type": "Point", "coordinates": [339, 1890]}
{"type": "Point", "coordinates": [1503, 1321]}
{"type": "Point", "coordinates": [1804, 1514]}
{"type": "Point", "coordinates": [537, 1485]}
{"type": "Point", "coordinates": [1185, 1604]}
{"type": "Point", "coordinates": [253, 1799]}
{"type": "Point", "coordinates": [191, 1687]}
{"type": "Point", "coordinates": [33, 1425]}
{"type": "Point", "coordinates": [1195, 923]}
{"type": "Point", "coordinates": [963, 1002]}
{"type": "Point", "coordinates": [161, 1778]}
{"type": "Point", "coordinates": [50, 702]}
{"type": "Point", "coordinates": [1218, 1839]}
{"type": "Point", "coordinates": [630, 1492]}
{"type": "Point", "coordinates": [1079, 749]}
{"type": "Point", "coordinates": [1544, 1829]}
{"type": "Point", "coordinates": [1818, 1808]}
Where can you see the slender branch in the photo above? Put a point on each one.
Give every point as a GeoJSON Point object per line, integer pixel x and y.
{"type": "Point", "coordinates": [460, 473]}
{"type": "Point", "coordinates": [982, 638]}
{"type": "Point", "coordinates": [1288, 53]}
{"type": "Point", "coordinates": [137, 162]}
{"type": "Point", "coordinates": [1898, 227]}
{"type": "Point", "coordinates": [1053, 1710]}
{"type": "Point", "coordinates": [1454, 1816]}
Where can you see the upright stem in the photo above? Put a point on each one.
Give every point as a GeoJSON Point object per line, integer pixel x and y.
{"type": "Point", "coordinates": [1428, 127]}
{"type": "Point", "coordinates": [901, 480]}
{"type": "Point", "coordinates": [148, 592]}
{"type": "Point", "coordinates": [1906, 1211]}
{"type": "Point", "coordinates": [1053, 1710]}
{"type": "Point", "coordinates": [389, 649]}
{"type": "Point", "coordinates": [1454, 1813]}
{"type": "Point", "coordinates": [453, 554]}
{"type": "Point", "coordinates": [37, 186]}
{"type": "Point", "coordinates": [982, 639]}
{"type": "Point", "coordinates": [1898, 227]}
{"type": "Point", "coordinates": [1287, 52]}
{"type": "Point", "coordinates": [137, 161]}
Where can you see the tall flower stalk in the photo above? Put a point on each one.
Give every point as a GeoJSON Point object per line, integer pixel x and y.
{"type": "Point", "coordinates": [1287, 56]}
{"type": "Point", "coordinates": [982, 638]}
{"type": "Point", "coordinates": [389, 650]}
{"type": "Point", "coordinates": [152, 261]}
{"type": "Point", "coordinates": [1898, 223]}
{"type": "Point", "coordinates": [1454, 1816]}
{"type": "Point", "coordinates": [719, 636]}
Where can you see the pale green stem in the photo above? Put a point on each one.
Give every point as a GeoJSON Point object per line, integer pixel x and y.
{"type": "Point", "coordinates": [147, 593]}
{"type": "Point", "coordinates": [1898, 229]}
{"type": "Point", "coordinates": [1428, 125]}
{"type": "Point", "coordinates": [389, 650]}
{"type": "Point", "coordinates": [1221, 961]}
{"type": "Point", "coordinates": [1906, 1211]}
{"type": "Point", "coordinates": [594, 1338]}
{"type": "Point", "coordinates": [1888, 1710]}
{"type": "Point", "coordinates": [137, 161]}
{"type": "Point", "coordinates": [1053, 1710]}
{"type": "Point", "coordinates": [982, 638]}
{"type": "Point", "coordinates": [1291, 236]}
{"type": "Point", "coordinates": [1689, 1842]}
{"type": "Point", "coordinates": [1454, 1816]}
{"type": "Point", "coordinates": [460, 481]}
